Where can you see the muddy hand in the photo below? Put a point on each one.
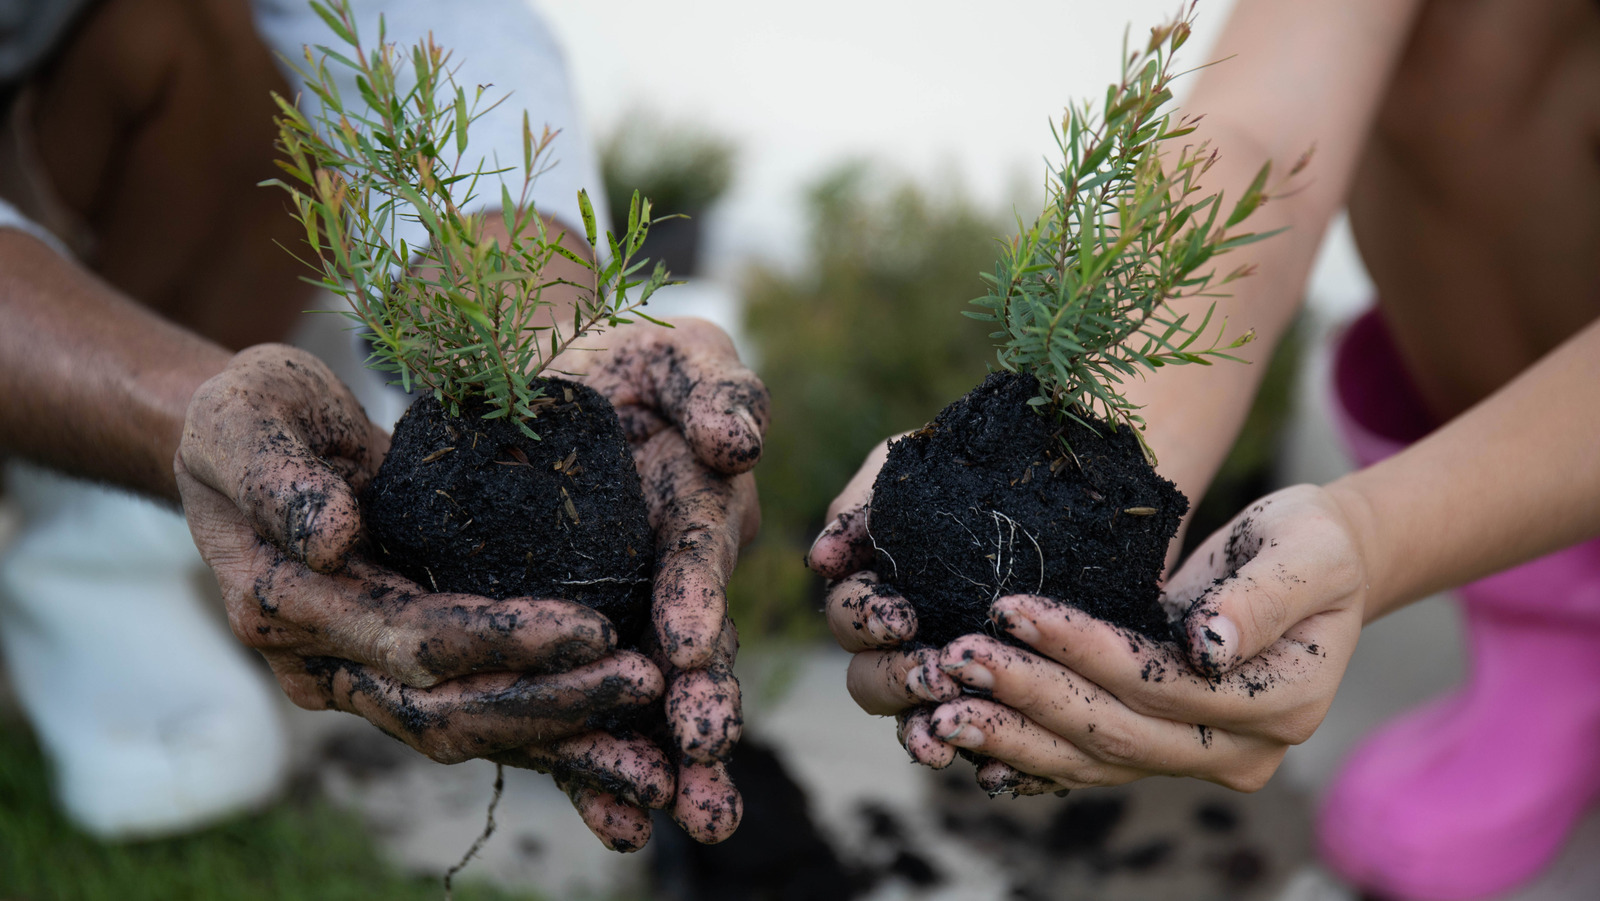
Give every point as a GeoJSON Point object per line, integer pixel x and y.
{"type": "Point", "coordinates": [273, 453]}
{"type": "Point", "coordinates": [687, 378]}
{"type": "Point", "coordinates": [1272, 607]}
{"type": "Point", "coordinates": [700, 517]}
{"type": "Point", "coordinates": [870, 620]}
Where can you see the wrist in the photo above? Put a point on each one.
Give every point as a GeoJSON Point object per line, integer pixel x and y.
{"type": "Point", "coordinates": [1361, 522]}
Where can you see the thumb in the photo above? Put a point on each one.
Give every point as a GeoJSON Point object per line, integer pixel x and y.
{"type": "Point", "coordinates": [278, 435]}
{"type": "Point", "coordinates": [1261, 576]}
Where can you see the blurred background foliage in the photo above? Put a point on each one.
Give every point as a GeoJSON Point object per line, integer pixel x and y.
{"type": "Point", "coordinates": [302, 848]}
{"type": "Point", "coordinates": [865, 340]}
{"type": "Point", "coordinates": [682, 168]}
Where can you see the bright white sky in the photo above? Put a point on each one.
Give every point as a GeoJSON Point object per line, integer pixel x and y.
{"type": "Point", "coordinates": [938, 88]}
{"type": "Point", "coordinates": [945, 91]}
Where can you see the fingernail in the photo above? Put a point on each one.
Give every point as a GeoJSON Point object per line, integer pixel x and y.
{"type": "Point", "coordinates": [970, 673]}
{"type": "Point", "coordinates": [876, 627]}
{"type": "Point", "coordinates": [894, 622]}
{"type": "Point", "coordinates": [1063, 792]}
{"type": "Point", "coordinates": [964, 735]}
{"type": "Point", "coordinates": [1218, 639]}
{"type": "Point", "coordinates": [1019, 626]}
{"type": "Point", "coordinates": [831, 530]}
{"type": "Point", "coordinates": [745, 416]}
{"type": "Point", "coordinates": [917, 685]}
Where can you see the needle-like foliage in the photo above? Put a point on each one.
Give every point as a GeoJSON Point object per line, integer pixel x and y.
{"type": "Point", "coordinates": [1084, 296]}
{"type": "Point", "coordinates": [464, 316]}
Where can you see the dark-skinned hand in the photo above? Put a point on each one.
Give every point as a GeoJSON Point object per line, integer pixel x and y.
{"type": "Point", "coordinates": [275, 452]}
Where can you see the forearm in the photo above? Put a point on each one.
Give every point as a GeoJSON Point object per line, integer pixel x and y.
{"type": "Point", "coordinates": [94, 384]}
{"type": "Point", "coordinates": [1511, 479]}
{"type": "Point", "coordinates": [1292, 77]}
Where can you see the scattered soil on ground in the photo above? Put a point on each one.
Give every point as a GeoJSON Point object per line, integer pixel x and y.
{"type": "Point", "coordinates": [474, 505]}
{"type": "Point", "coordinates": [986, 501]}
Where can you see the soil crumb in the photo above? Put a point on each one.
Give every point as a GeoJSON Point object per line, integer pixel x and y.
{"type": "Point", "coordinates": [986, 501]}
{"type": "Point", "coordinates": [473, 505]}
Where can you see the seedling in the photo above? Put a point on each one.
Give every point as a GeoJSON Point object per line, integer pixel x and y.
{"type": "Point", "coordinates": [1030, 483]}
{"type": "Point", "coordinates": [1084, 297]}
{"type": "Point", "coordinates": [463, 315]}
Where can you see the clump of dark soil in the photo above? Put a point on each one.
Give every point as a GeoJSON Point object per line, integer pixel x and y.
{"type": "Point", "coordinates": [473, 505]}
{"type": "Point", "coordinates": [986, 501]}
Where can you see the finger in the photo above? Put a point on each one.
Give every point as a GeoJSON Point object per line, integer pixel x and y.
{"type": "Point", "coordinates": [863, 613]}
{"type": "Point", "coordinates": [916, 736]}
{"type": "Point", "coordinates": [887, 682]}
{"type": "Point", "coordinates": [633, 770]}
{"type": "Point", "coordinates": [1283, 562]}
{"type": "Point", "coordinates": [703, 710]}
{"type": "Point", "coordinates": [699, 518]}
{"type": "Point", "coordinates": [708, 806]}
{"type": "Point", "coordinates": [477, 715]}
{"type": "Point", "coordinates": [619, 825]}
{"type": "Point", "coordinates": [283, 439]}
{"type": "Point", "coordinates": [1267, 695]}
{"type": "Point", "coordinates": [997, 731]}
{"type": "Point", "coordinates": [692, 376]}
{"type": "Point", "coordinates": [1000, 778]}
{"type": "Point", "coordinates": [844, 546]}
{"type": "Point", "coordinates": [375, 617]}
{"type": "Point", "coordinates": [1064, 704]}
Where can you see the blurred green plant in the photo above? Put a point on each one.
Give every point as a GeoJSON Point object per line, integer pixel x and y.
{"type": "Point", "coordinates": [857, 344]}
{"type": "Point", "coordinates": [298, 850]}
{"type": "Point", "coordinates": [682, 168]}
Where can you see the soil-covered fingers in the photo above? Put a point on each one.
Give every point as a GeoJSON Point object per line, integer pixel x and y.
{"type": "Point", "coordinates": [618, 825]}
{"type": "Point", "coordinates": [1000, 778]}
{"type": "Point", "coordinates": [995, 730]}
{"type": "Point", "coordinates": [844, 546]}
{"type": "Point", "coordinates": [886, 682]}
{"type": "Point", "coordinates": [1095, 723]}
{"type": "Point", "coordinates": [1281, 693]}
{"type": "Point", "coordinates": [704, 712]}
{"type": "Point", "coordinates": [286, 443]}
{"type": "Point", "coordinates": [689, 376]}
{"type": "Point", "coordinates": [477, 715]}
{"type": "Point", "coordinates": [708, 806]}
{"type": "Point", "coordinates": [632, 769]}
{"type": "Point", "coordinates": [700, 518]}
{"type": "Point", "coordinates": [369, 615]}
{"type": "Point", "coordinates": [914, 728]}
{"type": "Point", "coordinates": [864, 614]}
{"type": "Point", "coordinates": [1287, 559]}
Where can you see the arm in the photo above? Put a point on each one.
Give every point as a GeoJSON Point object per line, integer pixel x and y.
{"type": "Point", "coordinates": [95, 384]}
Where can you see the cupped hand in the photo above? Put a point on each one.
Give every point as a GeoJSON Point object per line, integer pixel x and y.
{"type": "Point", "coordinates": [274, 453]}
{"type": "Point", "coordinates": [1271, 608]}
{"type": "Point", "coordinates": [872, 621]}
{"type": "Point", "coordinates": [696, 418]}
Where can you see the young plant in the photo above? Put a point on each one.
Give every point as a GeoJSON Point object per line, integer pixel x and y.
{"type": "Point", "coordinates": [1084, 296]}
{"type": "Point", "coordinates": [465, 315]}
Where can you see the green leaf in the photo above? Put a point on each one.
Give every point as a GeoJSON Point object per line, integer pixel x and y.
{"type": "Point", "coordinates": [333, 23]}
{"type": "Point", "coordinates": [586, 210]}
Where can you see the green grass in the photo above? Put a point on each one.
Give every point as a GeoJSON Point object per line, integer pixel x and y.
{"type": "Point", "coordinates": [299, 850]}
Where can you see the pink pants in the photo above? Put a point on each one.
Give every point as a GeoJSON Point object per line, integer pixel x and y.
{"type": "Point", "coordinates": [1474, 793]}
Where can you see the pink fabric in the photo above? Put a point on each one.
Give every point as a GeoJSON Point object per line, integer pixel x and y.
{"type": "Point", "coordinates": [1474, 793]}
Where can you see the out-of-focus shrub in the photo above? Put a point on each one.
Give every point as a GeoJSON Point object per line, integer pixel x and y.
{"type": "Point", "coordinates": [682, 168]}
{"type": "Point", "coordinates": [866, 340]}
